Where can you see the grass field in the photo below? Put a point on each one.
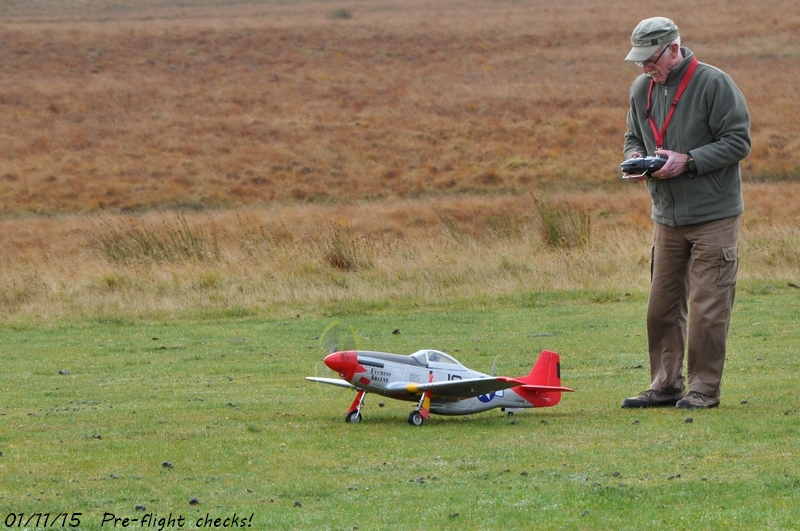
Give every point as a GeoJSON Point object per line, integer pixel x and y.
{"type": "Point", "coordinates": [192, 193]}
{"type": "Point", "coordinates": [91, 413]}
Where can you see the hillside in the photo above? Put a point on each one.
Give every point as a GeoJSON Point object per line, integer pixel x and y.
{"type": "Point", "coordinates": [127, 106]}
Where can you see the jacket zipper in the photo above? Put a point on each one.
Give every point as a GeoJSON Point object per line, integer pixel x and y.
{"type": "Point", "coordinates": [671, 194]}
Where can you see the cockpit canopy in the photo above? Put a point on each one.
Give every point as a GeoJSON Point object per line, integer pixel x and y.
{"type": "Point", "coordinates": [424, 357]}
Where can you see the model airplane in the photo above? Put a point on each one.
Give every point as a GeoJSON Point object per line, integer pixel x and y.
{"type": "Point", "coordinates": [440, 384]}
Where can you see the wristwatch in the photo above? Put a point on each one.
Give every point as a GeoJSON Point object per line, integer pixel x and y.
{"type": "Point", "coordinates": [691, 167]}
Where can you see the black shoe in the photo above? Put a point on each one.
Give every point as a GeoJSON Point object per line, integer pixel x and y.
{"type": "Point", "coordinates": [651, 398]}
{"type": "Point", "coordinates": [695, 400]}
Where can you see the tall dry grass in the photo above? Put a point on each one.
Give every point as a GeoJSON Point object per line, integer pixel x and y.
{"type": "Point", "coordinates": [311, 258]}
{"type": "Point", "coordinates": [393, 155]}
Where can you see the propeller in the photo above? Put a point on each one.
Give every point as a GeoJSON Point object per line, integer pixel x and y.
{"type": "Point", "coordinates": [336, 338]}
{"type": "Point", "coordinates": [341, 344]}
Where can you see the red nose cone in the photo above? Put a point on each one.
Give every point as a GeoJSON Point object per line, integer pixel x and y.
{"type": "Point", "coordinates": [345, 363]}
{"type": "Point", "coordinates": [335, 361]}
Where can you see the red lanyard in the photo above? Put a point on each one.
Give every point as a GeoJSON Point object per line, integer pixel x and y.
{"type": "Point", "coordinates": [659, 135]}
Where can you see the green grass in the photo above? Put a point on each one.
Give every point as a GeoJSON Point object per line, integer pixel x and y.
{"type": "Point", "coordinates": [90, 411]}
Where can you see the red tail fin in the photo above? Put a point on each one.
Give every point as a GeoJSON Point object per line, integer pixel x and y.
{"type": "Point", "coordinates": [543, 385]}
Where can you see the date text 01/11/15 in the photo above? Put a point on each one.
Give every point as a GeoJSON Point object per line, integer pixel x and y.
{"type": "Point", "coordinates": [43, 520]}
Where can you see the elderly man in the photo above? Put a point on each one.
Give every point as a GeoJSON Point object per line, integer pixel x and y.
{"type": "Point", "coordinates": [694, 116]}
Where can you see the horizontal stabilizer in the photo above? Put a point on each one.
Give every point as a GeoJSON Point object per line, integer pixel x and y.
{"type": "Point", "coordinates": [546, 388]}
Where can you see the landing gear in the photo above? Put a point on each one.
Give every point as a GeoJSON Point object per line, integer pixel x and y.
{"type": "Point", "coordinates": [423, 411]}
{"type": "Point", "coordinates": [415, 418]}
{"type": "Point", "coordinates": [354, 414]}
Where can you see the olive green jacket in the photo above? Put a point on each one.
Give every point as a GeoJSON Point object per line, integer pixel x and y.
{"type": "Point", "coordinates": [712, 124]}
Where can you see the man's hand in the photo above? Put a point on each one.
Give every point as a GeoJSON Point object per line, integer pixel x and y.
{"type": "Point", "coordinates": [675, 165]}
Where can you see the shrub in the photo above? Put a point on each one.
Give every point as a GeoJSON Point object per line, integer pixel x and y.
{"type": "Point", "coordinates": [346, 252]}
{"type": "Point", "coordinates": [562, 225]}
{"type": "Point", "coordinates": [340, 14]}
{"type": "Point", "coordinates": [138, 241]}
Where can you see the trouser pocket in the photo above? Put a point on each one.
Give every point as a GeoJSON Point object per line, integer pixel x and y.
{"type": "Point", "coordinates": [728, 266]}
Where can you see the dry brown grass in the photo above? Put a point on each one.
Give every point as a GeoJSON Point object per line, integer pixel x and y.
{"type": "Point", "coordinates": [420, 130]}
{"type": "Point", "coordinates": [274, 102]}
{"type": "Point", "coordinates": [408, 252]}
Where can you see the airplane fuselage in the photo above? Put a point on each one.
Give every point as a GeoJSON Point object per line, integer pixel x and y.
{"type": "Point", "coordinates": [383, 370]}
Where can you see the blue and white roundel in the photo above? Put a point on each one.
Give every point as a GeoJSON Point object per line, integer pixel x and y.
{"type": "Point", "coordinates": [489, 397]}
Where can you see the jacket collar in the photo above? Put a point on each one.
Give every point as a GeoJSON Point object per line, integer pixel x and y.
{"type": "Point", "coordinates": [676, 74]}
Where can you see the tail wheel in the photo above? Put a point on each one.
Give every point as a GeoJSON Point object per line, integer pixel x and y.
{"type": "Point", "coordinates": [415, 418]}
{"type": "Point", "coordinates": [353, 417]}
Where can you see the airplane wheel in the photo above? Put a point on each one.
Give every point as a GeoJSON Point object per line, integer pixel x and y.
{"type": "Point", "coordinates": [415, 419]}
{"type": "Point", "coordinates": [353, 417]}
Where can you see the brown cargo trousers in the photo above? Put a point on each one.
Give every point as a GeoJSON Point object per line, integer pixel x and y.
{"type": "Point", "coordinates": [693, 273]}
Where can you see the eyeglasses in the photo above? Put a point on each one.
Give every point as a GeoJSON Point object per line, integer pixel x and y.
{"type": "Point", "coordinates": [652, 62]}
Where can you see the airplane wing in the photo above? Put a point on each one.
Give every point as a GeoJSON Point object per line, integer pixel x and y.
{"type": "Point", "coordinates": [457, 389]}
{"type": "Point", "coordinates": [331, 381]}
